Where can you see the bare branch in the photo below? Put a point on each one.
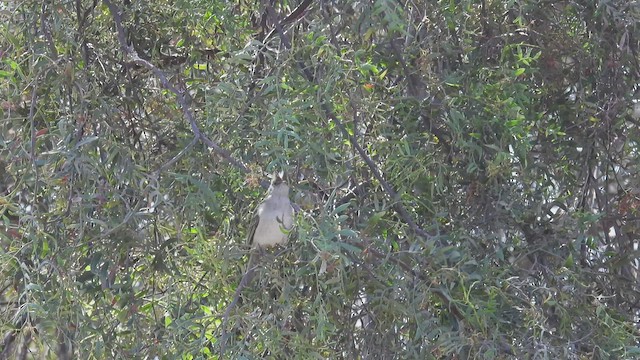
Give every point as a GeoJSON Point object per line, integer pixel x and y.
{"type": "Point", "coordinates": [296, 14]}
{"type": "Point", "coordinates": [404, 214]}
{"type": "Point", "coordinates": [182, 96]}
{"type": "Point", "coordinates": [252, 265]}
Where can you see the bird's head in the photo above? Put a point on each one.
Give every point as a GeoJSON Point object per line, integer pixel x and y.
{"type": "Point", "coordinates": [278, 184]}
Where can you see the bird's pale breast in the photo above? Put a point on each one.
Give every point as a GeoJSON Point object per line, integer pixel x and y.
{"type": "Point", "coordinates": [274, 217]}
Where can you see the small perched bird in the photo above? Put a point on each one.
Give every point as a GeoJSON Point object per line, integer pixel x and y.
{"type": "Point", "coordinates": [270, 226]}
{"type": "Point", "coordinates": [274, 217]}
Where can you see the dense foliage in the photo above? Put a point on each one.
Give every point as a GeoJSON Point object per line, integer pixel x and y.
{"type": "Point", "coordinates": [465, 172]}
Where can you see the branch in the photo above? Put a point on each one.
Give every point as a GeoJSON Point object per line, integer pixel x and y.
{"type": "Point", "coordinates": [440, 292]}
{"type": "Point", "coordinates": [47, 33]}
{"type": "Point", "coordinates": [445, 297]}
{"type": "Point", "coordinates": [404, 214]}
{"type": "Point", "coordinates": [31, 117]}
{"type": "Point", "coordinates": [400, 209]}
{"type": "Point", "coordinates": [246, 279]}
{"type": "Point", "coordinates": [296, 14]}
{"type": "Point", "coordinates": [252, 266]}
{"type": "Point", "coordinates": [182, 96]}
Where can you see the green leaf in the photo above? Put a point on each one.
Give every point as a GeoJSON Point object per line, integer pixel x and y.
{"type": "Point", "coordinates": [518, 72]}
{"type": "Point", "coordinates": [199, 66]}
{"type": "Point", "coordinates": [349, 247]}
{"type": "Point", "coordinates": [347, 233]}
{"type": "Point", "coordinates": [86, 140]}
{"type": "Point", "coordinates": [341, 208]}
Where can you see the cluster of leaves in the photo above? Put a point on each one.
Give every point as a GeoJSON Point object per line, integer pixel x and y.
{"type": "Point", "coordinates": [465, 174]}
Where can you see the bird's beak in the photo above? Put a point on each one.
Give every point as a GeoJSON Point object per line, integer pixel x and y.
{"type": "Point", "coordinates": [278, 178]}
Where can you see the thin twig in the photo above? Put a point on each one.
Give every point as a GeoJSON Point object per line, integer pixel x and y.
{"type": "Point", "coordinates": [446, 298]}
{"type": "Point", "coordinates": [47, 33]}
{"type": "Point", "coordinates": [178, 156]}
{"type": "Point", "coordinates": [246, 279]}
{"type": "Point", "coordinates": [296, 14]}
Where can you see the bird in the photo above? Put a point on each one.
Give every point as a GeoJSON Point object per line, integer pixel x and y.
{"type": "Point", "coordinates": [270, 226]}
{"type": "Point", "coordinates": [273, 219]}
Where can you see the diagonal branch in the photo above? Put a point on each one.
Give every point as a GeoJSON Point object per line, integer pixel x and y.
{"type": "Point", "coordinates": [246, 279]}
{"type": "Point", "coordinates": [182, 96]}
{"type": "Point", "coordinates": [329, 114]}
{"type": "Point", "coordinates": [295, 15]}
{"type": "Point", "coordinates": [400, 209]}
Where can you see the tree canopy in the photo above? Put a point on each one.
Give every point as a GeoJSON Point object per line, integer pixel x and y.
{"type": "Point", "coordinates": [465, 175]}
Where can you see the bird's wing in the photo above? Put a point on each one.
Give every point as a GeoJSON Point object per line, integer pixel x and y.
{"type": "Point", "coordinates": [252, 228]}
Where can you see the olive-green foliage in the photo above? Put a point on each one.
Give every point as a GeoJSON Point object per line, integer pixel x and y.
{"type": "Point", "coordinates": [506, 130]}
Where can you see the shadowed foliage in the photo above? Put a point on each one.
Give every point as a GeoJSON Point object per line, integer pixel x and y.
{"type": "Point", "coordinates": [465, 174]}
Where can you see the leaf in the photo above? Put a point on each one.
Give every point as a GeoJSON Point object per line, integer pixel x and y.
{"type": "Point", "coordinates": [569, 262]}
{"type": "Point", "coordinates": [347, 233]}
{"type": "Point", "coordinates": [323, 267]}
{"type": "Point", "coordinates": [365, 68]}
{"type": "Point", "coordinates": [350, 248]}
{"type": "Point", "coordinates": [376, 217]}
{"type": "Point", "coordinates": [340, 208]}
{"type": "Point", "coordinates": [199, 66]}
{"type": "Point", "coordinates": [86, 140]}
